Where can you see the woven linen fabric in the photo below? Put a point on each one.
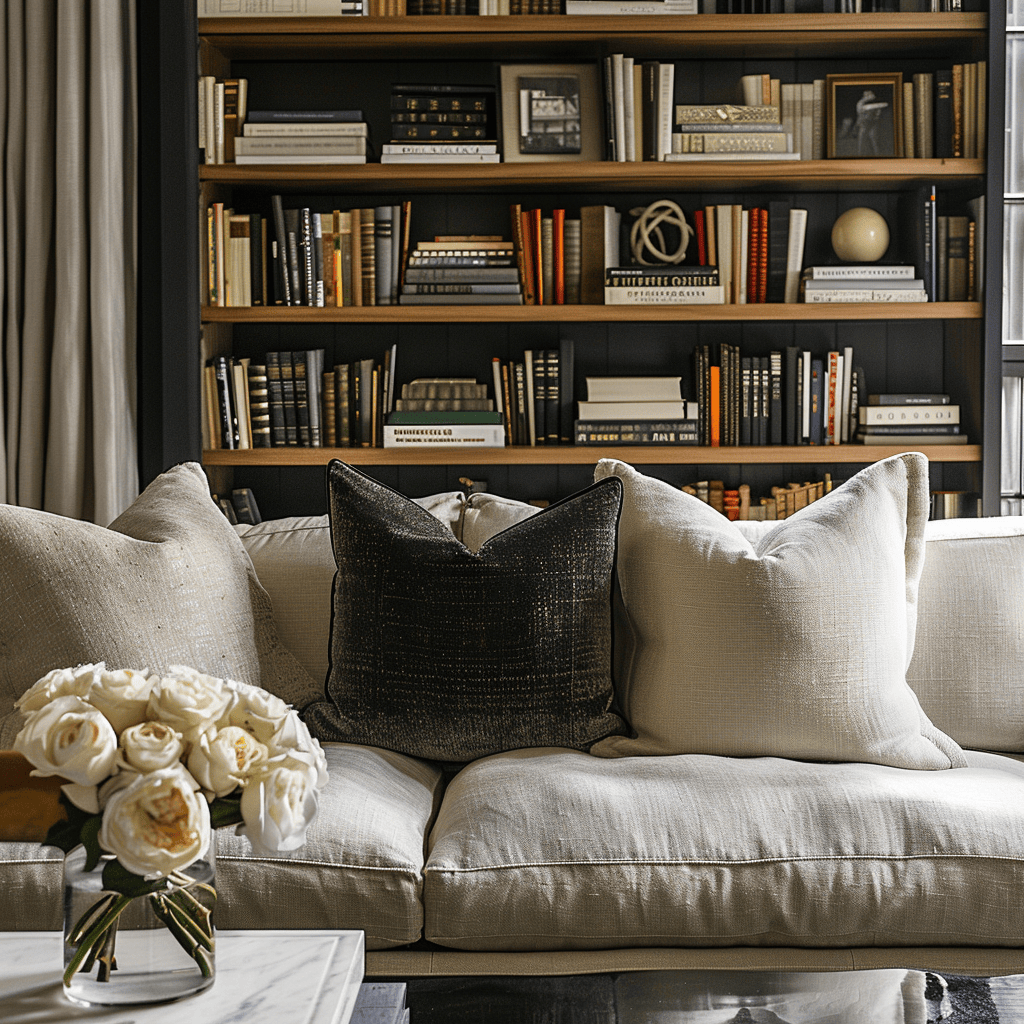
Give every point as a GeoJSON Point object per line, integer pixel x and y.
{"type": "Point", "coordinates": [557, 849]}
{"type": "Point", "coordinates": [793, 645]}
{"type": "Point", "coordinates": [361, 865]}
{"type": "Point", "coordinates": [449, 654]}
{"type": "Point", "coordinates": [167, 583]}
{"type": "Point", "coordinates": [968, 665]}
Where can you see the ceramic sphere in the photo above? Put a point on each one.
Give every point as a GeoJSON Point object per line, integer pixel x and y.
{"type": "Point", "coordinates": [860, 235]}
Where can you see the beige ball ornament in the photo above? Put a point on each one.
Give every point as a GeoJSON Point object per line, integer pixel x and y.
{"type": "Point", "coordinates": [860, 235]}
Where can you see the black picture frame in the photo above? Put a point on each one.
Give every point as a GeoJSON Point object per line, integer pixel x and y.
{"type": "Point", "coordinates": [865, 116]}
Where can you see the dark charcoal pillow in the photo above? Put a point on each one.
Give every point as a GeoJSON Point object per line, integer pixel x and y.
{"type": "Point", "coordinates": [443, 653]}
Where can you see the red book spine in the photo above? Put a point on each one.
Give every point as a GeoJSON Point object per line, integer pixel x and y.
{"type": "Point", "coordinates": [753, 235]}
{"type": "Point", "coordinates": [538, 259]}
{"type": "Point", "coordinates": [702, 238]}
{"type": "Point", "coordinates": [762, 258]}
{"type": "Point", "coordinates": [558, 223]}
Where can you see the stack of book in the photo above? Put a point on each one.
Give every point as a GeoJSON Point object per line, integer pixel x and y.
{"type": "Point", "coordinates": [727, 131]}
{"type": "Point", "coordinates": [636, 410]}
{"type": "Point", "coordinates": [442, 124]}
{"type": "Point", "coordinates": [667, 284]}
{"type": "Point", "coordinates": [221, 112]}
{"type": "Point", "coordinates": [436, 411]}
{"type": "Point", "coordinates": [866, 283]}
{"type": "Point", "coordinates": [462, 270]}
{"type": "Point", "coordinates": [302, 137]}
{"type": "Point", "coordinates": [907, 419]}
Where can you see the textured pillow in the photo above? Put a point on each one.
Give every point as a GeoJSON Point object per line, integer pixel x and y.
{"type": "Point", "coordinates": [795, 644]}
{"type": "Point", "coordinates": [441, 652]}
{"type": "Point", "coordinates": [167, 583]}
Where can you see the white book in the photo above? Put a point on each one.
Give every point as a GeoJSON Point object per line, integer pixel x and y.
{"type": "Point", "coordinates": [788, 110]}
{"type": "Point", "coordinates": [846, 365]}
{"type": "Point", "coordinates": [795, 253]}
{"type": "Point", "coordinates": [629, 108]}
{"type": "Point", "coordinates": [440, 158]}
{"type": "Point", "coordinates": [723, 241]}
{"type": "Point", "coordinates": [710, 295]}
{"type": "Point", "coordinates": [665, 105]}
{"type": "Point", "coordinates": [439, 147]}
{"type": "Point", "coordinates": [531, 412]}
{"type": "Point", "coordinates": [478, 435]}
{"type": "Point", "coordinates": [218, 123]}
{"type": "Point", "coordinates": [240, 388]}
{"type": "Point", "coordinates": [907, 415]}
{"type": "Point", "coordinates": [281, 158]}
{"type": "Point", "coordinates": [619, 106]}
{"type": "Point", "coordinates": [627, 389]}
{"type": "Point", "coordinates": [1010, 452]}
{"type": "Point", "coordinates": [805, 126]}
{"type": "Point", "coordinates": [317, 129]}
{"type": "Point", "coordinates": [273, 8]}
{"type": "Point", "coordinates": [683, 157]}
{"type": "Point", "coordinates": [867, 271]}
{"type": "Point", "coordinates": [630, 7]}
{"type": "Point", "coordinates": [625, 412]}
{"type": "Point", "coordinates": [335, 145]}
{"type": "Point", "coordinates": [867, 295]}
{"type": "Point", "coordinates": [818, 114]}
{"type": "Point", "coordinates": [805, 393]}
{"type": "Point", "coordinates": [744, 255]}
{"type": "Point", "coordinates": [868, 283]}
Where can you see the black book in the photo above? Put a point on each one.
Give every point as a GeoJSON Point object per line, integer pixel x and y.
{"type": "Point", "coordinates": [291, 426]}
{"type": "Point", "coordinates": [917, 229]}
{"type": "Point", "coordinates": [282, 279]}
{"type": "Point", "coordinates": [300, 377]}
{"type": "Point", "coordinates": [442, 132]}
{"type": "Point", "coordinates": [275, 394]}
{"type": "Point", "coordinates": [292, 259]}
{"type": "Point", "coordinates": [766, 400]}
{"type": "Point", "coordinates": [566, 390]}
{"type": "Point", "coordinates": [259, 405]}
{"type": "Point", "coordinates": [226, 402]}
{"type": "Point", "coordinates": [775, 400]}
{"type": "Point", "coordinates": [552, 422]}
{"type": "Point", "coordinates": [791, 394]}
{"type": "Point", "coordinates": [746, 398]}
{"type": "Point", "coordinates": [246, 509]}
{"type": "Point", "coordinates": [778, 247]}
{"type": "Point", "coordinates": [364, 402]}
{"type": "Point", "coordinates": [307, 266]}
{"type": "Point", "coordinates": [540, 395]}
{"type": "Point", "coordinates": [302, 116]}
{"type": "Point", "coordinates": [256, 259]}
{"type": "Point", "coordinates": [942, 115]}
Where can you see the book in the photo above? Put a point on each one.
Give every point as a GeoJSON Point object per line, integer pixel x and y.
{"type": "Point", "coordinates": [474, 298]}
{"type": "Point", "coordinates": [299, 145]}
{"type": "Point", "coordinates": [867, 295]}
{"type": "Point", "coordinates": [428, 417]}
{"type": "Point", "coordinates": [481, 435]}
{"type": "Point", "coordinates": [867, 272]}
{"type": "Point", "coordinates": [907, 415]}
{"type": "Point", "coordinates": [908, 399]}
{"type": "Point", "coordinates": [726, 113]}
{"type": "Point", "coordinates": [293, 129]}
{"type": "Point", "coordinates": [599, 250]}
{"type": "Point", "coordinates": [908, 440]}
{"type": "Point", "coordinates": [863, 284]}
{"type": "Point", "coordinates": [732, 142]}
{"type": "Point", "coordinates": [650, 432]}
{"type": "Point", "coordinates": [661, 276]}
{"type": "Point", "coordinates": [710, 295]}
{"type": "Point", "coordinates": [631, 8]}
{"type": "Point", "coordinates": [629, 389]}
{"type": "Point", "coordinates": [279, 9]}
{"type": "Point", "coordinates": [795, 253]}
{"type": "Point", "coordinates": [677, 409]}
{"type": "Point", "coordinates": [301, 116]}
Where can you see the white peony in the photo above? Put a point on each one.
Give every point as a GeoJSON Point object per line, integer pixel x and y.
{"type": "Point", "coordinates": [278, 806]}
{"type": "Point", "coordinates": [70, 738]}
{"type": "Point", "coordinates": [188, 701]}
{"type": "Point", "coordinates": [61, 682]}
{"type": "Point", "coordinates": [122, 696]}
{"type": "Point", "coordinates": [157, 824]}
{"type": "Point", "coordinates": [221, 761]}
{"type": "Point", "coordinates": [150, 746]}
{"type": "Point", "coordinates": [260, 712]}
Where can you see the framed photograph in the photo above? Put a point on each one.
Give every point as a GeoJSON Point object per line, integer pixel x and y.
{"type": "Point", "coordinates": [550, 112]}
{"type": "Point", "coordinates": [865, 115]}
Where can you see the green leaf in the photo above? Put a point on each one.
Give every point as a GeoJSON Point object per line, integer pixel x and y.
{"type": "Point", "coordinates": [117, 878]}
{"type": "Point", "coordinates": [90, 834]}
{"type": "Point", "coordinates": [67, 833]}
{"type": "Point", "coordinates": [225, 811]}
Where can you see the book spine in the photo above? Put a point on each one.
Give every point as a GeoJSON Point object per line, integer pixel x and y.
{"type": "Point", "coordinates": [383, 229]}
{"type": "Point", "coordinates": [291, 425]}
{"type": "Point", "coordinates": [619, 296]}
{"type": "Point", "coordinates": [552, 423]}
{"type": "Point", "coordinates": [275, 393]}
{"type": "Point", "coordinates": [259, 405]}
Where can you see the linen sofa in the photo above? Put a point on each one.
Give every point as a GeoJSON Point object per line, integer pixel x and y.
{"type": "Point", "coordinates": [808, 844]}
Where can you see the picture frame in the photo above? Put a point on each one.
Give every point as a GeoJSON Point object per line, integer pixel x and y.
{"type": "Point", "coordinates": [865, 115]}
{"type": "Point", "coordinates": [551, 112]}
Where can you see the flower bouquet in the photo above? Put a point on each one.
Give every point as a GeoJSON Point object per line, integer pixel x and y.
{"type": "Point", "coordinates": [153, 763]}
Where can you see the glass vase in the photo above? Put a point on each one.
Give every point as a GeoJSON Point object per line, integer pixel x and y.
{"type": "Point", "coordinates": [151, 948]}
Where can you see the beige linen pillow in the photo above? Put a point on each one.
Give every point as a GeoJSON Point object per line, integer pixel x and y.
{"type": "Point", "coordinates": [167, 583]}
{"type": "Point", "coordinates": [795, 644]}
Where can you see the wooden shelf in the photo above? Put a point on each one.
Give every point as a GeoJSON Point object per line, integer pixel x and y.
{"type": "Point", "coordinates": [593, 314]}
{"type": "Point", "coordinates": [564, 37]}
{"type": "Point", "coordinates": [601, 176]}
{"type": "Point", "coordinates": [585, 454]}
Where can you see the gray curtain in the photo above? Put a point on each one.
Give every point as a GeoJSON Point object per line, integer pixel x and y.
{"type": "Point", "coordinates": [67, 268]}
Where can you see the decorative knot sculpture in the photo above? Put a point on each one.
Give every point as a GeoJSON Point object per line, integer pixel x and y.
{"type": "Point", "coordinates": [646, 238]}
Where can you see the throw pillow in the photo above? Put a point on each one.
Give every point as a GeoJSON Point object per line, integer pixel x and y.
{"type": "Point", "coordinates": [168, 582]}
{"type": "Point", "coordinates": [450, 654]}
{"type": "Point", "coordinates": [793, 644]}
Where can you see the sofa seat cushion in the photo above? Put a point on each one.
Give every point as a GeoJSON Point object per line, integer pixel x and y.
{"type": "Point", "coordinates": [556, 849]}
{"type": "Point", "coordinates": [361, 866]}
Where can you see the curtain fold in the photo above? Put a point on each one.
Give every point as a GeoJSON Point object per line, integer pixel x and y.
{"type": "Point", "coordinates": [68, 275]}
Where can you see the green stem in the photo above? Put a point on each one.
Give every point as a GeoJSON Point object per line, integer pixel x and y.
{"type": "Point", "coordinates": [186, 931]}
{"type": "Point", "coordinates": [97, 934]}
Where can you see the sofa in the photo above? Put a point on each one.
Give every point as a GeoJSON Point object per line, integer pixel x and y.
{"type": "Point", "coordinates": [802, 743]}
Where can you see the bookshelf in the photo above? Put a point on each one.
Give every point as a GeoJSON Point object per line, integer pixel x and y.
{"type": "Point", "coordinates": [914, 346]}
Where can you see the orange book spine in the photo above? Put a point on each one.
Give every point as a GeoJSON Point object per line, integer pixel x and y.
{"type": "Point", "coordinates": [753, 234]}
{"type": "Point", "coordinates": [558, 218]}
{"type": "Point", "coordinates": [715, 404]}
{"type": "Point", "coordinates": [531, 296]}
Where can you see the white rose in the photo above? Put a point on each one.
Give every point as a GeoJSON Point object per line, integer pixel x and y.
{"type": "Point", "coordinates": [221, 761]}
{"type": "Point", "coordinates": [258, 711]}
{"type": "Point", "coordinates": [150, 746]}
{"type": "Point", "coordinates": [61, 682]}
{"type": "Point", "coordinates": [157, 824]}
{"type": "Point", "coordinates": [69, 737]}
{"type": "Point", "coordinates": [188, 701]}
{"type": "Point", "coordinates": [278, 806]}
{"type": "Point", "coordinates": [122, 696]}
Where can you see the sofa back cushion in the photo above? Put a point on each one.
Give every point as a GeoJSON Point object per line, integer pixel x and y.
{"type": "Point", "coordinates": [794, 645]}
{"type": "Point", "coordinates": [166, 583]}
{"type": "Point", "coordinates": [968, 665]}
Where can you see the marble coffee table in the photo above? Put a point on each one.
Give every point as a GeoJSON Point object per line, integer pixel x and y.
{"type": "Point", "coordinates": [263, 977]}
